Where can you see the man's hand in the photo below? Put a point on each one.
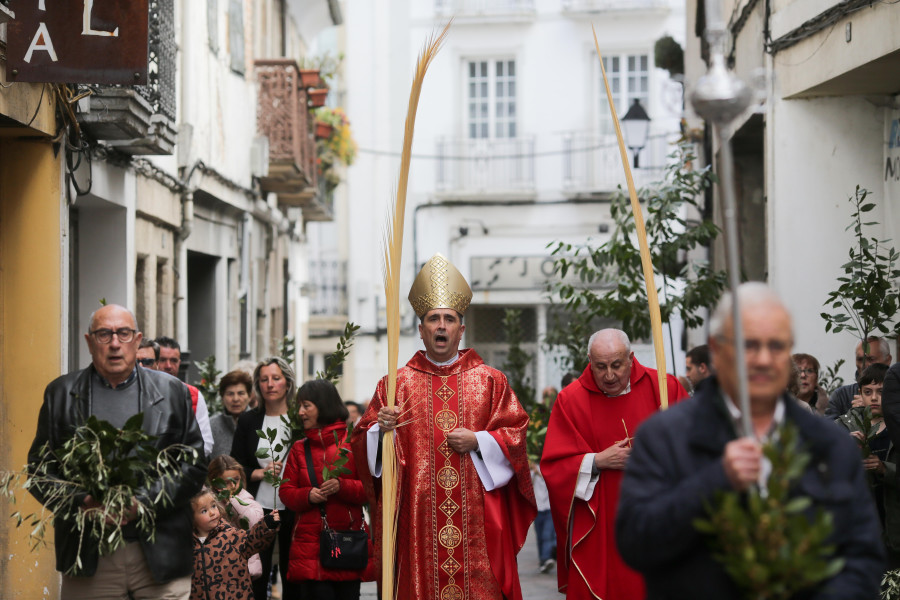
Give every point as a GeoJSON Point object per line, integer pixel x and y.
{"type": "Point", "coordinates": [387, 417]}
{"type": "Point", "coordinates": [857, 401]}
{"type": "Point", "coordinates": [873, 463]}
{"type": "Point", "coordinates": [330, 487]}
{"type": "Point", "coordinates": [614, 457]}
{"type": "Point", "coordinates": [462, 440]}
{"type": "Point", "coordinates": [742, 459]}
{"type": "Point", "coordinates": [91, 504]}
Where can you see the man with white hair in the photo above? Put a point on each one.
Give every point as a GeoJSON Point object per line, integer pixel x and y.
{"type": "Point", "coordinates": [587, 446]}
{"type": "Point", "coordinates": [682, 457]}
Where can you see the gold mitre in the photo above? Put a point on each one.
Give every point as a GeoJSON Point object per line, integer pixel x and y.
{"type": "Point", "coordinates": [439, 285]}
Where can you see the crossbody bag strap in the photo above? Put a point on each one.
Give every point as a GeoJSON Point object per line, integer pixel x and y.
{"type": "Point", "coordinates": [312, 477]}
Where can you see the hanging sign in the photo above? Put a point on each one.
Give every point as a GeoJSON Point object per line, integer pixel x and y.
{"type": "Point", "coordinates": [78, 41]}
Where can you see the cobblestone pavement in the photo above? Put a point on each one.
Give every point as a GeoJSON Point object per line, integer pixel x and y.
{"type": "Point", "coordinates": [535, 585]}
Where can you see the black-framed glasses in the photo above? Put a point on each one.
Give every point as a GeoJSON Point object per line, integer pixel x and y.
{"type": "Point", "coordinates": [104, 336]}
{"type": "Point", "coordinates": [146, 362]}
{"type": "Point", "coordinates": [806, 371]}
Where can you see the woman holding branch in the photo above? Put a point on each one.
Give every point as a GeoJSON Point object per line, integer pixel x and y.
{"type": "Point", "coordinates": [321, 483]}
{"type": "Point", "coordinates": [263, 459]}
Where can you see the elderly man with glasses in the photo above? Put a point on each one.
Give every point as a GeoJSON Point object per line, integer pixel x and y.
{"type": "Point", "coordinates": [113, 389]}
{"type": "Point", "coordinates": [682, 458]}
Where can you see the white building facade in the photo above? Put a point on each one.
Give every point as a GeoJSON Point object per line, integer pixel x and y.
{"type": "Point", "coordinates": [513, 150]}
{"type": "Point", "coordinates": [826, 121]}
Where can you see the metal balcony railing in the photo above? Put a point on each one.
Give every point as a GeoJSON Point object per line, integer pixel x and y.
{"type": "Point", "coordinates": [140, 119]}
{"type": "Point", "coordinates": [328, 280]}
{"type": "Point", "coordinates": [494, 8]}
{"type": "Point", "coordinates": [596, 6]}
{"type": "Point", "coordinates": [592, 162]}
{"type": "Point", "coordinates": [485, 166]}
{"type": "Point", "coordinates": [283, 117]}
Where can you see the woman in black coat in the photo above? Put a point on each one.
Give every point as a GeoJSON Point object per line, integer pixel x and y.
{"type": "Point", "coordinates": [275, 384]}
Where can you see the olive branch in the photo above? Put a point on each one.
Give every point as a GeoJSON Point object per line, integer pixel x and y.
{"type": "Point", "coordinates": [116, 467]}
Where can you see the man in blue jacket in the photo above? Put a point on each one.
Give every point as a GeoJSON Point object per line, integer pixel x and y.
{"type": "Point", "coordinates": [681, 457]}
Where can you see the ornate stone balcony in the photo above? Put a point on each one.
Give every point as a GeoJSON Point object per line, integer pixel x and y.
{"type": "Point", "coordinates": [283, 117]}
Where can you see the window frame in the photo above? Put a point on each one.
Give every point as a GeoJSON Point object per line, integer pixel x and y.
{"type": "Point", "coordinates": [497, 115]}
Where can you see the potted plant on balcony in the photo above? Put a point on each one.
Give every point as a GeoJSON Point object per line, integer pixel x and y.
{"type": "Point", "coordinates": [323, 130]}
{"type": "Point", "coordinates": [317, 97]}
{"type": "Point", "coordinates": [326, 67]}
{"type": "Point", "coordinates": [337, 148]}
{"type": "Point", "coordinates": [309, 78]}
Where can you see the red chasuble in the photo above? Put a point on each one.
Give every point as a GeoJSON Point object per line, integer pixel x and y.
{"type": "Point", "coordinates": [455, 541]}
{"type": "Point", "coordinates": [584, 420]}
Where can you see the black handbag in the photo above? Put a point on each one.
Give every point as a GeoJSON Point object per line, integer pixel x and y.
{"type": "Point", "coordinates": [342, 550]}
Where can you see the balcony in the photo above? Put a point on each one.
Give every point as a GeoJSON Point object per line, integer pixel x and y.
{"type": "Point", "coordinates": [486, 10]}
{"type": "Point", "coordinates": [284, 119]}
{"type": "Point", "coordinates": [139, 119]}
{"type": "Point", "coordinates": [477, 167]}
{"type": "Point", "coordinates": [328, 284]}
{"type": "Point", "coordinates": [595, 7]}
{"type": "Point", "coordinates": [592, 163]}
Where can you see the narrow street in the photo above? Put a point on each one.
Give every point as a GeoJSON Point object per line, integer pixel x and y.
{"type": "Point", "coordinates": [535, 585]}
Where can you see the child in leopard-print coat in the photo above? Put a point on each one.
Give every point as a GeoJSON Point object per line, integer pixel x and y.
{"type": "Point", "coordinates": [221, 551]}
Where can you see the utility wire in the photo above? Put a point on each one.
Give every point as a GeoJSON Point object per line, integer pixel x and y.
{"type": "Point", "coordinates": [519, 155]}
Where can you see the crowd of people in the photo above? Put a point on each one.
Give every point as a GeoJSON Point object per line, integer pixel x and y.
{"type": "Point", "coordinates": [614, 495]}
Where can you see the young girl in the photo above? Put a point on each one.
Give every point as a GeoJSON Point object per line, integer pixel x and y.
{"type": "Point", "coordinates": [221, 551]}
{"type": "Point", "coordinates": [225, 473]}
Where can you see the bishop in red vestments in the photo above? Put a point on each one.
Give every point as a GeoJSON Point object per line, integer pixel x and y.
{"type": "Point", "coordinates": [587, 446]}
{"type": "Point", "coordinates": [465, 495]}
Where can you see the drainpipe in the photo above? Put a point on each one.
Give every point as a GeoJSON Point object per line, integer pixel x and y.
{"type": "Point", "coordinates": [183, 233]}
{"type": "Point", "coordinates": [248, 306]}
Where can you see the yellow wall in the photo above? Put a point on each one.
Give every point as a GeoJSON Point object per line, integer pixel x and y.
{"type": "Point", "coordinates": [30, 338]}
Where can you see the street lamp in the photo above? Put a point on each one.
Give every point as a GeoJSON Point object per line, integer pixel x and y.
{"type": "Point", "coordinates": [637, 125]}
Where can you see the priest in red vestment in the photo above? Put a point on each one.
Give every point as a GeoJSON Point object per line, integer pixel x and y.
{"type": "Point", "coordinates": [587, 445]}
{"type": "Point", "coordinates": [465, 496]}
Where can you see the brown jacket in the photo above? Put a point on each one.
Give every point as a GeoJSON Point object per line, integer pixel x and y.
{"type": "Point", "coordinates": [220, 561]}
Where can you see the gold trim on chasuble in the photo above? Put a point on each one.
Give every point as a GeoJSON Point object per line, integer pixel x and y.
{"type": "Point", "coordinates": [448, 500]}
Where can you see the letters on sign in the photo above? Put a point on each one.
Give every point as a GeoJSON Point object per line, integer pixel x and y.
{"type": "Point", "coordinates": [79, 41]}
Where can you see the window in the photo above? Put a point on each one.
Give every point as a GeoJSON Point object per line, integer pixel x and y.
{"type": "Point", "coordinates": [629, 79]}
{"type": "Point", "coordinates": [212, 24]}
{"type": "Point", "coordinates": [491, 99]}
{"type": "Point", "coordinates": [236, 35]}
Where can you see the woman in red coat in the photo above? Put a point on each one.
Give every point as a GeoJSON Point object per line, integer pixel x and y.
{"type": "Point", "coordinates": [342, 496]}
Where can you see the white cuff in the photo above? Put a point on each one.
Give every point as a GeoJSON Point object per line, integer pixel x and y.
{"type": "Point", "coordinates": [586, 482]}
{"type": "Point", "coordinates": [493, 468]}
{"type": "Point", "coordinates": [372, 440]}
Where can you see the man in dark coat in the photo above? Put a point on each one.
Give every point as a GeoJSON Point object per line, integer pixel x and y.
{"type": "Point", "coordinates": [113, 390]}
{"type": "Point", "coordinates": [681, 457]}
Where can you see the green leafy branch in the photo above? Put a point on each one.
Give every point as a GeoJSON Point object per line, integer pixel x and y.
{"type": "Point", "coordinates": [208, 384]}
{"type": "Point", "coordinates": [224, 495]}
{"type": "Point", "coordinates": [606, 282]}
{"type": "Point", "coordinates": [334, 363]}
{"type": "Point", "coordinates": [273, 451]}
{"type": "Point", "coordinates": [536, 432]}
{"type": "Point", "coordinates": [287, 349]}
{"type": "Point", "coordinates": [831, 380]}
{"type": "Point", "coordinates": [866, 300]}
{"type": "Point", "coordinates": [337, 468]}
{"type": "Point", "coordinates": [115, 467]}
{"type": "Point", "coordinates": [776, 545]}
{"type": "Point", "coordinates": [517, 359]}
